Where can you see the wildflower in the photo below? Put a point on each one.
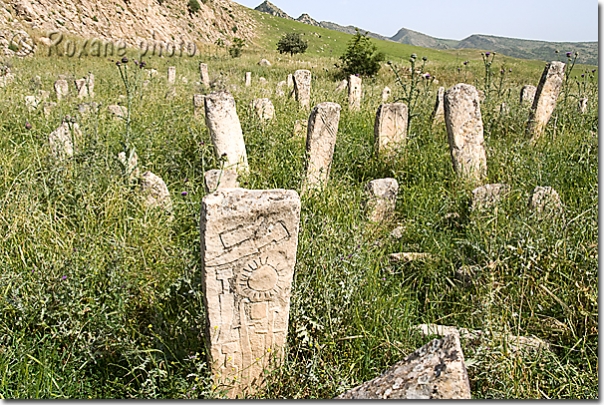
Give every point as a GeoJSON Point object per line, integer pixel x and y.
{"type": "Point", "coordinates": [569, 54]}
{"type": "Point", "coordinates": [64, 278]}
{"type": "Point", "coordinates": [582, 75]}
{"type": "Point", "coordinates": [487, 54]}
{"type": "Point", "coordinates": [413, 56]}
{"type": "Point", "coordinates": [502, 71]}
{"type": "Point", "coordinates": [593, 71]}
{"type": "Point", "coordinates": [510, 70]}
{"type": "Point", "coordinates": [184, 194]}
{"type": "Point", "coordinates": [118, 63]}
{"type": "Point", "coordinates": [124, 60]}
{"type": "Point", "coordinates": [466, 63]}
{"type": "Point", "coordinates": [458, 69]}
{"type": "Point", "coordinates": [142, 64]}
{"type": "Point", "coordinates": [424, 58]}
{"type": "Point", "coordinates": [27, 125]}
{"type": "Point", "coordinates": [426, 76]}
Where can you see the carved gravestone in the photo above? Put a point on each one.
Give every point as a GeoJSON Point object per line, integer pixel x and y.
{"type": "Point", "coordinates": [320, 143]}
{"type": "Point", "coordinates": [155, 192]}
{"type": "Point", "coordinates": [248, 248]}
{"type": "Point", "coordinates": [171, 74]}
{"type": "Point", "coordinates": [302, 81]}
{"type": "Point", "coordinates": [61, 89]}
{"type": "Point", "coordinates": [438, 115]}
{"type": "Point", "coordinates": [488, 196]}
{"type": "Point", "coordinates": [198, 105]}
{"type": "Point", "coordinates": [390, 128]}
{"type": "Point", "coordinates": [248, 79]}
{"type": "Point", "coordinates": [225, 129]}
{"type": "Point", "coordinates": [217, 179]}
{"type": "Point", "coordinates": [341, 86]}
{"type": "Point", "coordinates": [381, 199]}
{"type": "Point", "coordinates": [465, 132]}
{"type": "Point", "coordinates": [203, 73]}
{"type": "Point", "coordinates": [386, 93]}
{"type": "Point", "coordinates": [527, 94]}
{"type": "Point", "coordinates": [435, 371]}
{"type": "Point", "coordinates": [63, 138]}
{"type": "Point", "coordinates": [355, 92]}
{"type": "Point", "coordinates": [546, 97]}
{"type": "Point", "coordinates": [264, 109]}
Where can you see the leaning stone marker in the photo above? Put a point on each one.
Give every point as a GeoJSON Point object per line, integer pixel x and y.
{"type": "Point", "coordinates": [248, 248]}
{"type": "Point", "coordinates": [546, 97]}
{"type": "Point", "coordinates": [320, 143]}
{"type": "Point", "coordinates": [302, 80]}
{"type": "Point", "coordinates": [264, 109]}
{"type": "Point", "coordinates": [438, 115]}
{"type": "Point", "coordinates": [217, 179]}
{"type": "Point", "coordinates": [390, 129]}
{"type": "Point", "coordinates": [355, 92]}
{"type": "Point", "coordinates": [61, 89]}
{"type": "Point", "coordinates": [171, 74]}
{"type": "Point", "coordinates": [203, 72]}
{"type": "Point", "coordinates": [381, 199]}
{"type": "Point", "coordinates": [225, 129]}
{"type": "Point", "coordinates": [465, 131]}
{"type": "Point", "coordinates": [434, 371]}
{"type": "Point", "coordinates": [527, 94]}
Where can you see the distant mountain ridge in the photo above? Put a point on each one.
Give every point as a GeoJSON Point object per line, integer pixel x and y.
{"type": "Point", "coordinates": [518, 48]}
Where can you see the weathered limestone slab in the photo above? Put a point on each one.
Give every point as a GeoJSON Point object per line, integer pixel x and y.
{"type": "Point", "coordinates": [300, 128]}
{"type": "Point", "coordinates": [225, 129]}
{"type": "Point", "coordinates": [438, 115]}
{"type": "Point", "coordinates": [31, 102]}
{"type": "Point", "coordinates": [390, 128]}
{"type": "Point", "coordinates": [61, 89]}
{"type": "Point", "coordinates": [465, 131]}
{"type": "Point", "coordinates": [129, 164]}
{"type": "Point", "coordinates": [302, 81]}
{"type": "Point", "coordinates": [48, 107]}
{"type": "Point", "coordinates": [583, 105]}
{"type": "Point", "coordinates": [290, 81]}
{"type": "Point", "coordinates": [262, 81]}
{"type": "Point", "coordinates": [85, 86]}
{"type": "Point", "coordinates": [119, 112]}
{"type": "Point", "coordinates": [280, 90]}
{"type": "Point", "coordinates": [546, 97]}
{"type": "Point", "coordinates": [155, 191]}
{"type": "Point", "coordinates": [171, 74]}
{"type": "Point", "coordinates": [248, 79]}
{"type": "Point", "coordinates": [341, 86]}
{"type": "Point", "coordinates": [397, 232]}
{"type": "Point", "coordinates": [386, 93]}
{"type": "Point", "coordinates": [408, 257]}
{"type": "Point", "coordinates": [217, 179]}
{"type": "Point", "coordinates": [488, 196]}
{"type": "Point", "coordinates": [545, 200]}
{"type": "Point", "coordinates": [527, 94]}
{"type": "Point", "coordinates": [248, 246]}
{"type": "Point", "coordinates": [355, 92]}
{"type": "Point", "coordinates": [43, 95]}
{"type": "Point", "coordinates": [86, 108]}
{"type": "Point", "coordinates": [264, 62]}
{"type": "Point", "coordinates": [320, 143]}
{"type": "Point", "coordinates": [203, 72]}
{"type": "Point", "coordinates": [198, 105]}
{"type": "Point", "coordinates": [381, 199]}
{"type": "Point", "coordinates": [264, 109]}
{"type": "Point", "coordinates": [434, 371]}
{"type": "Point", "coordinates": [62, 139]}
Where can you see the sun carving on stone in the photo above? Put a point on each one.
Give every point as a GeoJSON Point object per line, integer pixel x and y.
{"type": "Point", "coordinates": [260, 281]}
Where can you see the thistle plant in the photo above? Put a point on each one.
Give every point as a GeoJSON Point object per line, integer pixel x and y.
{"type": "Point", "coordinates": [571, 59]}
{"type": "Point", "coordinates": [487, 59]}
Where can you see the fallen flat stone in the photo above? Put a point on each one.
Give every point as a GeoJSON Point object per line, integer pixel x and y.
{"type": "Point", "coordinates": [225, 130]}
{"type": "Point", "coordinates": [434, 371]}
{"type": "Point", "coordinates": [264, 62]}
{"type": "Point", "coordinates": [381, 199]}
{"type": "Point", "coordinates": [397, 232]}
{"type": "Point", "coordinates": [119, 112]}
{"type": "Point", "coordinates": [217, 179]}
{"type": "Point", "coordinates": [408, 257]}
{"type": "Point", "coordinates": [488, 196]}
{"type": "Point", "coordinates": [249, 240]}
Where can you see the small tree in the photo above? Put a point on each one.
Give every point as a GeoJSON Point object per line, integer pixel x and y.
{"type": "Point", "coordinates": [292, 43]}
{"type": "Point", "coordinates": [235, 48]}
{"type": "Point", "coordinates": [361, 57]}
{"type": "Point", "coordinates": [193, 6]}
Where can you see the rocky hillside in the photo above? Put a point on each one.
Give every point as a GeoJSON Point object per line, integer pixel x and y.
{"type": "Point", "coordinates": [270, 8]}
{"type": "Point", "coordinates": [130, 20]}
{"type": "Point", "coordinates": [411, 37]}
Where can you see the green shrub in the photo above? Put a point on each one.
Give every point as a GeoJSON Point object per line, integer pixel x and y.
{"type": "Point", "coordinates": [361, 57]}
{"type": "Point", "coordinates": [193, 6]}
{"type": "Point", "coordinates": [235, 48]}
{"type": "Point", "coordinates": [292, 43]}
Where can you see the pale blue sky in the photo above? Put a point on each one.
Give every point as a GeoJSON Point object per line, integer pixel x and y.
{"type": "Point", "coordinates": [546, 20]}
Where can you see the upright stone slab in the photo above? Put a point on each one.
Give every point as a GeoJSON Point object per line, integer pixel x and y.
{"type": "Point", "coordinates": [381, 199]}
{"type": "Point", "coordinates": [62, 139]}
{"type": "Point", "coordinates": [61, 89]}
{"type": "Point", "coordinates": [546, 97]}
{"type": "Point", "coordinates": [31, 102]}
{"type": "Point", "coordinates": [386, 93]}
{"type": "Point", "coordinates": [264, 109]}
{"type": "Point", "coordinates": [300, 128]}
{"type": "Point", "coordinates": [198, 105]}
{"type": "Point", "coordinates": [248, 79]}
{"type": "Point", "coordinates": [85, 86]}
{"type": "Point", "coordinates": [225, 129]}
{"type": "Point", "coordinates": [341, 86]}
{"type": "Point", "coordinates": [280, 90]}
{"type": "Point", "coordinates": [438, 115]}
{"type": "Point", "coordinates": [249, 240]}
{"type": "Point", "coordinates": [527, 94]}
{"type": "Point", "coordinates": [203, 72]}
{"type": "Point", "coordinates": [171, 74]}
{"type": "Point", "coordinates": [465, 131]}
{"type": "Point", "coordinates": [290, 81]}
{"type": "Point", "coordinates": [217, 179]}
{"type": "Point", "coordinates": [390, 129]}
{"type": "Point", "coordinates": [545, 200]}
{"type": "Point", "coordinates": [583, 105]}
{"type": "Point", "coordinates": [320, 143]}
{"type": "Point", "coordinates": [302, 80]}
{"type": "Point", "coordinates": [434, 371]}
{"type": "Point", "coordinates": [355, 92]}
{"type": "Point", "coordinates": [155, 192]}
{"type": "Point", "coordinates": [130, 164]}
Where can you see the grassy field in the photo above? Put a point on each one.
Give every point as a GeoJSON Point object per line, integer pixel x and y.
{"type": "Point", "coordinates": [100, 296]}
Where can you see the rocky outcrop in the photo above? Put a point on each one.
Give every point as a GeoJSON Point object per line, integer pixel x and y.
{"type": "Point", "coordinates": [306, 19]}
{"type": "Point", "coordinates": [270, 8]}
